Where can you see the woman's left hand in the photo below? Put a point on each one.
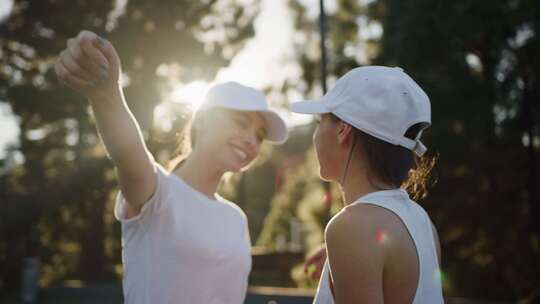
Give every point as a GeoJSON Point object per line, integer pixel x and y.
{"type": "Point", "coordinates": [314, 264]}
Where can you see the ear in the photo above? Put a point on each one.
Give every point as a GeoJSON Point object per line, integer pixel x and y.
{"type": "Point", "coordinates": [345, 132]}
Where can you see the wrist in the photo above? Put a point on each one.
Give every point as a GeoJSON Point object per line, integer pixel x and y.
{"type": "Point", "coordinates": [110, 96]}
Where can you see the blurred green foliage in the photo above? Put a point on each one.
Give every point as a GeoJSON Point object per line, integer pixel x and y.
{"type": "Point", "coordinates": [478, 61]}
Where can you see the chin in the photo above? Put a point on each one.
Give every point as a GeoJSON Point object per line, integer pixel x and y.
{"type": "Point", "coordinates": [236, 167]}
{"type": "Point", "coordinates": [232, 168]}
{"type": "Point", "coordinates": [246, 166]}
{"type": "Point", "coordinates": [326, 176]}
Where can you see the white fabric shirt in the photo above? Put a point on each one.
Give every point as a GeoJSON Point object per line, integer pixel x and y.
{"type": "Point", "coordinates": [418, 224]}
{"type": "Point", "coordinates": [184, 247]}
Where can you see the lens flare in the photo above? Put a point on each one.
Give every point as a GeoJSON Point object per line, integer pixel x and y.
{"type": "Point", "coordinates": [381, 237]}
{"type": "Point", "coordinates": [439, 276]}
{"type": "Point", "coordinates": [192, 93]}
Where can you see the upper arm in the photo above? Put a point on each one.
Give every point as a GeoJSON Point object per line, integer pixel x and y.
{"type": "Point", "coordinates": [123, 140]}
{"type": "Point", "coordinates": [137, 185]}
{"type": "Point", "coordinates": [356, 259]}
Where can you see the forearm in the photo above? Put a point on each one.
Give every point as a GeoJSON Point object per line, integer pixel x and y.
{"type": "Point", "coordinates": [120, 133]}
{"type": "Point", "coordinates": [91, 66]}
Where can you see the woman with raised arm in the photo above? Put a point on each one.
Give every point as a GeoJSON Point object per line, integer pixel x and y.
{"type": "Point", "coordinates": [381, 247]}
{"type": "Point", "coordinates": [181, 242]}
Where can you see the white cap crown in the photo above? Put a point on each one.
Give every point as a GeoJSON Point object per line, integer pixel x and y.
{"type": "Point", "coordinates": [383, 102]}
{"type": "Point", "coordinates": [234, 96]}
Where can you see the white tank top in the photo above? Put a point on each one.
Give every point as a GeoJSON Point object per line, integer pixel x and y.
{"type": "Point", "coordinates": [419, 227]}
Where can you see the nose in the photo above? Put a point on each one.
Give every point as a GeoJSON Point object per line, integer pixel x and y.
{"type": "Point", "coordinates": [251, 141]}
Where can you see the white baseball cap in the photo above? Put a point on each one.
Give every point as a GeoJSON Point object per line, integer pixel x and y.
{"type": "Point", "coordinates": [383, 102]}
{"type": "Point", "coordinates": [234, 96]}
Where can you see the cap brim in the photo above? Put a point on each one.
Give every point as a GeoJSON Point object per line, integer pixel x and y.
{"type": "Point", "coordinates": [276, 129]}
{"type": "Point", "coordinates": [309, 107]}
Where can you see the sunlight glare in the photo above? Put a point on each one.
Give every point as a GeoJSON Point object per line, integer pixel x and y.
{"type": "Point", "coordinates": [192, 93]}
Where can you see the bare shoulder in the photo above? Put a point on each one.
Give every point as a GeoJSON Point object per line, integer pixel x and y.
{"type": "Point", "coordinates": [360, 217]}
{"type": "Point", "coordinates": [358, 223]}
{"type": "Point", "coordinates": [356, 261]}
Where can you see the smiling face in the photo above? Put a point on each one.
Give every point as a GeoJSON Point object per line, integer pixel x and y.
{"type": "Point", "coordinates": [230, 138]}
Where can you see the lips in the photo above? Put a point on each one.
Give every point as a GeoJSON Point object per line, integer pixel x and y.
{"type": "Point", "coordinates": [243, 155]}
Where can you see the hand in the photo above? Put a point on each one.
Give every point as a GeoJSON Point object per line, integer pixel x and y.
{"type": "Point", "coordinates": [89, 65]}
{"type": "Point", "coordinates": [315, 263]}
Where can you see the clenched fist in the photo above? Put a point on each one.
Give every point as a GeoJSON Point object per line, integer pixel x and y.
{"type": "Point", "coordinates": [89, 65]}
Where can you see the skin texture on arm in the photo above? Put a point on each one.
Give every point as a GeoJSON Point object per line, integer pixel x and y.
{"type": "Point", "coordinates": [123, 140]}
{"type": "Point", "coordinates": [91, 66]}
{"type": "Point", "coordinates": [356, 261]}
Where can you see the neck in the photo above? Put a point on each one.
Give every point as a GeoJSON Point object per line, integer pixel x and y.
{"type": "Point", "coordinates": [356, 182]}
{"type": "Point", "coordinates": [197, 173]}
{"type": "Point", "coordinates": [354, 187]}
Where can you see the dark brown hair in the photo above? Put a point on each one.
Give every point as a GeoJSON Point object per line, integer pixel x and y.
{"type": "Point", "coordinates": [395, 165]}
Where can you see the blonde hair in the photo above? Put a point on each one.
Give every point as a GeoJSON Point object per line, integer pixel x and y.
{"type": "Point", "coordinates": [184, 146]}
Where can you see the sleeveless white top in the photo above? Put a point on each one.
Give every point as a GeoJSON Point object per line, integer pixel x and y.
{"type": "Point", "coordinates": [419, 227]}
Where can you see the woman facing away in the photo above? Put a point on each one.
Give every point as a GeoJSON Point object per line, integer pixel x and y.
{"type": "Point", "coordinates": [181, 242]}
{"type": "Point", "coordinates": [382, 246]}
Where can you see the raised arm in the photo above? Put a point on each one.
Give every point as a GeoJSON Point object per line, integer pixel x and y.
{"type": "Point", "coordinates": [91, 66]}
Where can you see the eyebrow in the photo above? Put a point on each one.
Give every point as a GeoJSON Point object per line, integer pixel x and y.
{"type": "Point", "coordinates": [243, 117]}
{"type": "Point", "coordinates": [250, 119]}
